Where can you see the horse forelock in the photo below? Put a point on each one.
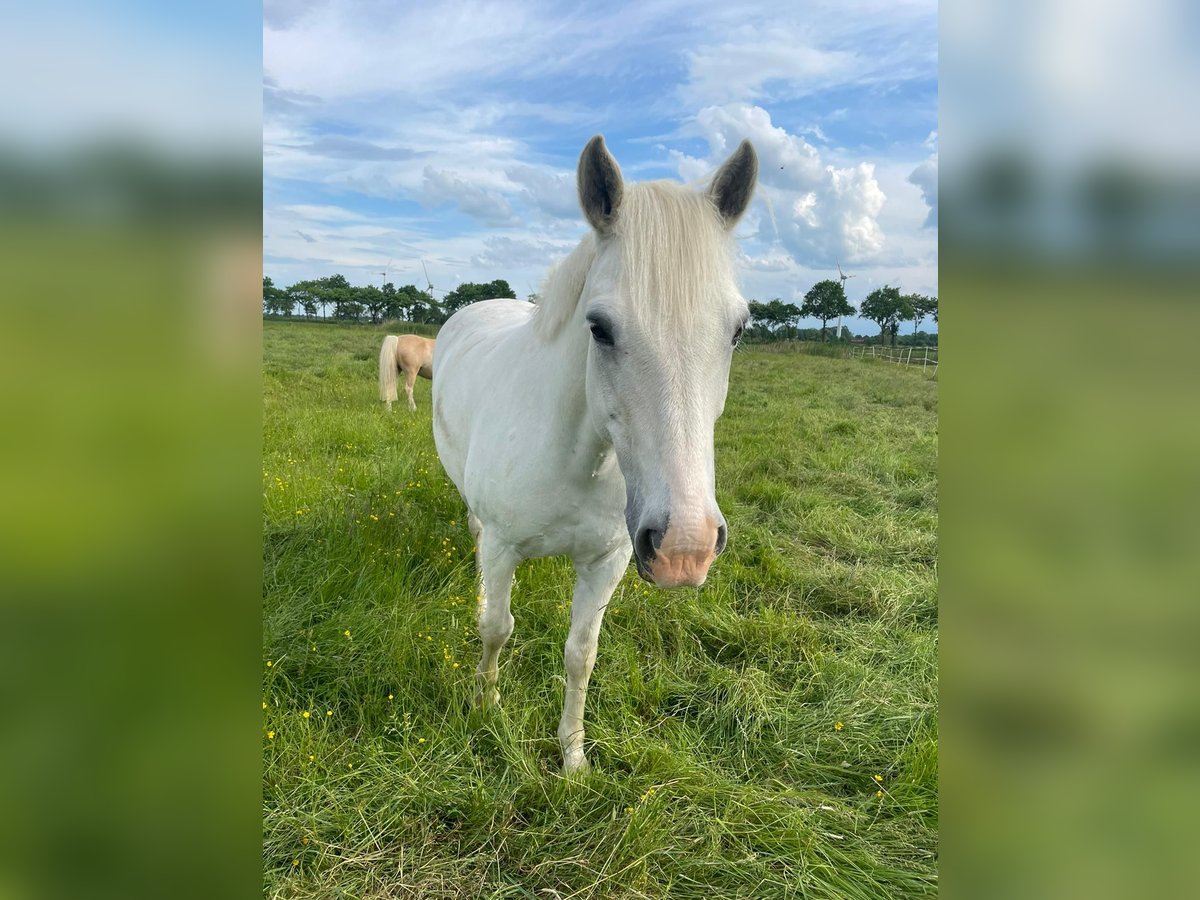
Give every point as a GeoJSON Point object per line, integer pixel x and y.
{"type": "Point", "coordinates": [677, 256]}
{"type": "Point", "coordinates": [677, 260]}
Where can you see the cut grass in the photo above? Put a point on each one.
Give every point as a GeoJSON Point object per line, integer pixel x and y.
{"type": "Point", "coordinates": [719, 766]}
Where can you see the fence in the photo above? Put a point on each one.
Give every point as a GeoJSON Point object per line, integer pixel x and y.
{"type": "Point", "coordinates": [925, 357]}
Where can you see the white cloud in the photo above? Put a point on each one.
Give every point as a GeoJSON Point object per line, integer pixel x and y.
{"type": "Point", "coordinates": [817, 132]}
{"type": "Point", "coordinates": [317, 213]}
{"type": "Point", "coordinates": [774, 260]}
{"type": "Point", "coordinates": [547, 190]}
{"type": "Point", "coordinates": [925, 176]}
{"type": "Point", "coordinates": [743, 67]}
{"type": "Point", "coordinates": [487, 207]}
{"type": "Point", "coordinates": [527, 253]}
{"type": "Point", "coordinates": [821, 211]}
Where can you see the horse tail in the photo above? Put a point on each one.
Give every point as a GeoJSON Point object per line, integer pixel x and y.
{"type": "Point", "coordinates": [387, 369]}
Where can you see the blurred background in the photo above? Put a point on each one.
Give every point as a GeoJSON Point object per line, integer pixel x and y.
{"type": "Point", "coordinates": [130, 240]}
{"type": "Point", "coordinates": [130, 235]}
{"type": "Point", "coordinates": [1070, 239]}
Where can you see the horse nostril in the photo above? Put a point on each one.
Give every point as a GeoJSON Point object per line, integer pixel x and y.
{"type": "Point", "coordinates": [647, 540]}
{"type": "Point", "coordinates": [722, 536]}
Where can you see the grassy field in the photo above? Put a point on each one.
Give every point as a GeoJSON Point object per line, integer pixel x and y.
{"type": "Point", "coordinates": [772, 734]}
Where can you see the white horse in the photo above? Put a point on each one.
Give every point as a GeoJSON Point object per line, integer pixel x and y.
{"type": "Point", "coordinates": [583, 425]}
{"type": "Point", "coordinates": [405, 353]}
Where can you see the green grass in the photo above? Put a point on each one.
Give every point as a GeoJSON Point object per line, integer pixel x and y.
{"type": "Point", "coordinates": [718, 767]}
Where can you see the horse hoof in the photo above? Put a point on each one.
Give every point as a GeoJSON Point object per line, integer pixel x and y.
{"type": "Point", "coordinates": [576, 764]}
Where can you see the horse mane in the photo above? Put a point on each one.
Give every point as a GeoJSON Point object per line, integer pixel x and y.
{"type": "Point", "coordinates": [677, 257]}
{"type": "Point", "coordinates": [562, 287]}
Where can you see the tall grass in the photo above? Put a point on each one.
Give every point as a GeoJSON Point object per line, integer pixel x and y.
{"type": "Point", "coordinates": [772, 734]}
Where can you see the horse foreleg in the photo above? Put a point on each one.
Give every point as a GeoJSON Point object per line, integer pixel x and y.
{"type": "Point", "coordinates": [410, 378]}
{"type": "Point", "coordinates": [495, 616]}
{"type": "Point", "coordinates": [594, 585]}
{"type": "Point", "coordinates": [476, 532]}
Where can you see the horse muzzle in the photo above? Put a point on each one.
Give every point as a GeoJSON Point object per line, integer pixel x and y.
{"type": "Point", "coordinates": [678, 555]}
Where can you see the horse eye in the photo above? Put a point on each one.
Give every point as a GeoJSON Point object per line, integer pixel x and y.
{"type": "Point", "coordinates": [601, 334]}
{"type": "Point", "coordinates": [737, 335]}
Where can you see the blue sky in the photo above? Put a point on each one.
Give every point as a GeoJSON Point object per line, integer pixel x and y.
{"type": "Point", "coordinates": [449, 132]}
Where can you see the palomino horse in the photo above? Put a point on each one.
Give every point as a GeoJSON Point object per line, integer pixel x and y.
{"type": "Point", "coordinates": [409, 354]}
{"type": "Point", "coordinates": [583, 425]}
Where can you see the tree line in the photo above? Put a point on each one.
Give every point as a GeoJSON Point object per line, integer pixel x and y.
{"type": "Point", "coordinates": [319, 297]}
{"type": "Point", "coordinates": [771, 321]}
{"type": "Point", "coordinates": [826, 301]}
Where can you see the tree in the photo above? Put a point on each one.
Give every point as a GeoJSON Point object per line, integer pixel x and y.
{"type": "Point", "coordinates": [275, 300]}
{"type": "Point", "coordinates": [775, 315]}
{"type": "Point", "coordinates": [409, 303]}
{"type": "Point", "coordinates": [299, 295]}
{"type": "Point", "coordinates": [920, 307]}
{"type": "Point", "coordinates": [425, 308]}
{"type": "Point", "coordinates": [372, 300]}
{"type": "Point", "coordinates": [826, 300]}
{"type": "Point", "coordinates": [760, 314]}
{"type": "Point", "coordinates": [470, 292]}
{"type": "Point", "coordinates": [885, 307]}
{"type": "Point", "coordinates": [335, 291]}
{"type": "Point", "coordinates": [390, 306]}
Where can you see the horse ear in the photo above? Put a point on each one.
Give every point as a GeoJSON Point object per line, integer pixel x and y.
{"type": "Point", "coordinates": [733, 185]}
{"type": "Point", "coordinates": [600, 185]}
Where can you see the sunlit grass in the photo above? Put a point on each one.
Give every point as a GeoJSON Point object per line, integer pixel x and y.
{"type": "Point", "coordinates": [721, 768]}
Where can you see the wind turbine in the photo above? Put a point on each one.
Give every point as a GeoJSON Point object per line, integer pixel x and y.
{"type": "Point", "coordinates": [386, 270]}
{"type": "Point", "coordinates": [429, 283]}
{"type": "Point", "coordinates": [844, 278]}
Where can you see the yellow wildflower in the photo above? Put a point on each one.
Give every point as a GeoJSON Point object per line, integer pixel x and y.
{"type": "Point", "coordinates": [420, 740]}
{"type": "Point", "coordinates": [879, 793]}
{"type": "Point", "coordinates": [878, 778]}
{"type": "Point", "coordinates": [270, 735]}
{"type": "Point", "coordinates": [329, 712]}
{"type": "Point", "coordinates": [305, 714]}
{"type": "Point", "coordinates": [269, 663]}
{"type": "Point", "coordinates": [346, 633]}
{"type": "Point", "coordinates": [838, 726]}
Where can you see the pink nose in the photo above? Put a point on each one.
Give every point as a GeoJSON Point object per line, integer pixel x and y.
{"type": "Point", "coordinates": [682, 556]}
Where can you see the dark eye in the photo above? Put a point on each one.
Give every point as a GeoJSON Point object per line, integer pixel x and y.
{"type": "Point", "coordinates": [737, 335]}
{"type": "Point", "coordinates": [601, 334]}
